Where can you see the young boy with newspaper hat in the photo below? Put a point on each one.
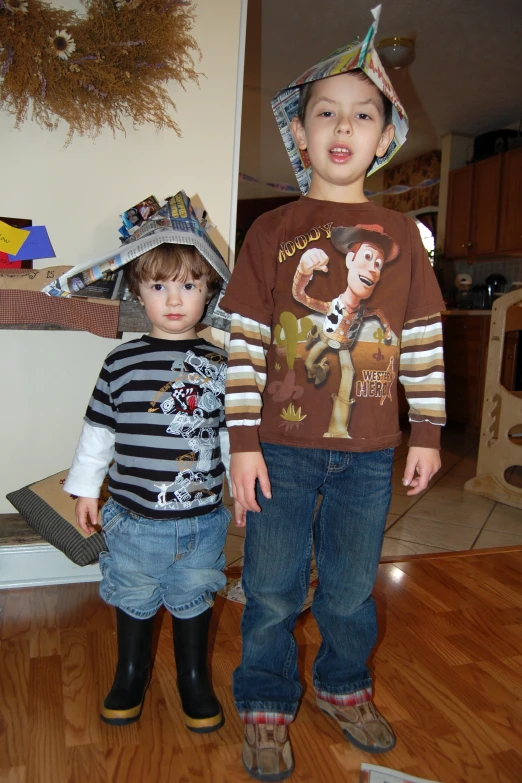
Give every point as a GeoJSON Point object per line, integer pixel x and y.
{"type": "Point", "coordinates": [156, 418]}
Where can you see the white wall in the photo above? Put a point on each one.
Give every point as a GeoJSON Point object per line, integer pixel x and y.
{"type": "Point", "coordinates": [78, 192]}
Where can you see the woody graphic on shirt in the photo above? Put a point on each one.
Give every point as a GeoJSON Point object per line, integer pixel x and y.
{"type": "Point", "coordinates": [366, 249]}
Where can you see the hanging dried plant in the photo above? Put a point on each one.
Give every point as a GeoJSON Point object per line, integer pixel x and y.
{"type": "Point", "coordinates": [95, 71]}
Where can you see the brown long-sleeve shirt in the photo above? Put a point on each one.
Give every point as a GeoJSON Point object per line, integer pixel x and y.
{"type": "Point", "coordinates": [333, 303]}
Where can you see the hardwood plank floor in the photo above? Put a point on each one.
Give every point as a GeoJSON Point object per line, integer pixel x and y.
{"type": "Point", "coordinates": [448, 673]}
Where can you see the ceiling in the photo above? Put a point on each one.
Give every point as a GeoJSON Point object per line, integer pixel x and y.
{"type": "Point", "coordinates": [466, 77]}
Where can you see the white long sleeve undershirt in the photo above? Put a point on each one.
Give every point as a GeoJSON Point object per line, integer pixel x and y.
{"type": "Point", "coordinates": [94, 453]}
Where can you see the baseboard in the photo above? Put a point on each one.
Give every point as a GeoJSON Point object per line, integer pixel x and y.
{"type": "Point", "coordinates": [34, 565]}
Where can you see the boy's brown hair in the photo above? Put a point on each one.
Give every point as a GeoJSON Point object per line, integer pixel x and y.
{"type": "Point", "coordinates": [305, 93]}
{"type": "Point", "coordinates": [171, 262]}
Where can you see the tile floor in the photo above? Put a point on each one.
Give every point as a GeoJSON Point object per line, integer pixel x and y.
{"type": "Point", "coordinates": [443, 518]}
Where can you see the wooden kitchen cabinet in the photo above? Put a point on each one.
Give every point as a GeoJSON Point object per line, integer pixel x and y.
{"type": "Point", "coordinates": [458, 219]}
{"type": "Point", "coordinates": [473, 209]}
{"type": "Point", "coordinates": [466, 339]}
{"type": "Point", "coordinates": [465, 356]}
{"type": "Point", "coordinates": [485, 206]}
{"type": "Point", "coordinates": [510, 230]}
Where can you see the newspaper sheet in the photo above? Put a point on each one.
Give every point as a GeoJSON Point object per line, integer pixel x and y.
{"type": "Point", "coordinates": [174, 222]}
{"type": "Point", "coordinates": [372, 774]}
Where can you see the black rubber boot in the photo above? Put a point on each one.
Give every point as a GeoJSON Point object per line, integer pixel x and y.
{"type": "Point", "coordinates": [124, 701]}
{"type": "Point", "coordinates": [201, 710]}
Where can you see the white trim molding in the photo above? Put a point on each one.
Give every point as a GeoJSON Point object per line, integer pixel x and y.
{"type": "Point", "coordinates": [35, 565]}
{"type": "Point", "coordinates": [237, 134]}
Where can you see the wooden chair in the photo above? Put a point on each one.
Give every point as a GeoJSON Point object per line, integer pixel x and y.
{"type": "Point", "coordinates": [500, 446]}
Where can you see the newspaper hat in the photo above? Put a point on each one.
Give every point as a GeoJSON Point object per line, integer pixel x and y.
{"type": "Point", "coordinates": [175, 222]}
{"type": "Point", "coordinates": [356, 55]}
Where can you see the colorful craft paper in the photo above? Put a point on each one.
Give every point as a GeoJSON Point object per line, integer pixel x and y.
{"type": "Point", "coordinates": [11, 238]}
{"type": "Point", "coordinates": [36, 245]}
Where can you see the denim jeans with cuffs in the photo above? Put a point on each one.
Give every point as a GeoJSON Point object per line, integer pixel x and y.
{"type": "Point", "coordinates": [347, 533]}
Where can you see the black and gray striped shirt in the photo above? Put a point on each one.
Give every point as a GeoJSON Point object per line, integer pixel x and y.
{"type": "Point", "coordinates": [164, 402]}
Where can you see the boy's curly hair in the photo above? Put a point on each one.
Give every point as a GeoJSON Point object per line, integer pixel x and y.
{"type": "Point", "coordinates": [171, 262]}
{"type": "Point", "coordinates": [305, 93]}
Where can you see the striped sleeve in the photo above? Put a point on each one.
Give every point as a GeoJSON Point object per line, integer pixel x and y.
{"type": "Point", "coordinates": [101, 411]}
{"type": "Point", "coordinates": [422, 375]}
{"type": "Point", "coordinates": [246, 379]}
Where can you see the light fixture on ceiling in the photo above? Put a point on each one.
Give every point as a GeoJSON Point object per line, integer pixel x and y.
{"type": "Point", "coordinates": [396, 52]}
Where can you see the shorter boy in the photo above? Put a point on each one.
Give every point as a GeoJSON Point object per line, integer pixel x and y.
{"type": "Point", "coordinates": [156, 414]}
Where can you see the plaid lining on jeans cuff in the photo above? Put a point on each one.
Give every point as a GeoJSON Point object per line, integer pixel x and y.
{"type": "Point", "coordinates": [348, 699]}
{"type": "Point", "coordinates": [269, 718]}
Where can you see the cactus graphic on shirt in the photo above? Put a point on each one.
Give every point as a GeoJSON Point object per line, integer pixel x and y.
{"type": "Point", "coordinates": [378, 335]}
{"type": "Point", "coordinates": [289, 332]}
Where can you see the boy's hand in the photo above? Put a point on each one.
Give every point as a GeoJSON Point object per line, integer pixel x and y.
{"type": "Point", "coordinates": [87, 515]}
{"type": "Point", "coordinates": [239, 514]}
{"type": "Point", "coordinates": [247, 467]}
{"type": "Point", "coordinates": [315, 258]}
{"type": "Point", "coordinates": [421, 466]}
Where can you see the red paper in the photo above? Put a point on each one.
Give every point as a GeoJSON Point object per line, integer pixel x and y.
{"type": "Point", "coordinates": [6, 264]}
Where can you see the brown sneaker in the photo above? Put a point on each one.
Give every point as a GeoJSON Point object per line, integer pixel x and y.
{"type": "Point", "coordinates": [267, 754]}
{"type": "Point", "coordinates": [362, 725]}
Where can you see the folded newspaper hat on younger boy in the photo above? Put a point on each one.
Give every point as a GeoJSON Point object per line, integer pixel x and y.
{"type": "Point", "coordinates": [358, 54]}
{"type": "Point", "coordinates": [174, 222]}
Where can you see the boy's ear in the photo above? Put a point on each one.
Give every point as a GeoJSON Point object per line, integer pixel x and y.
{"type": "Point", "coordinates": [298, 132]}
{"type": "Point", "coordinates": [386, 139]}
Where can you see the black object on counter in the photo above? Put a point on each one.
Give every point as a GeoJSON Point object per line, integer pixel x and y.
{"type": "Point", "coordinates": [496, 285]}
{"type": "Point", "coordinates": [480, 297]}
{"type": "Point", "coordinates": [464, 299]}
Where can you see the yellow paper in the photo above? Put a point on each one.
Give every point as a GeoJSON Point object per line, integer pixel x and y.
{"type": "Point", "coordinates": [11, 239]}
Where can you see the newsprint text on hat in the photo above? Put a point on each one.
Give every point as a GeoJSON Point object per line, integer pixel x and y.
{"type": "Point", "coordinates": [175, 222]}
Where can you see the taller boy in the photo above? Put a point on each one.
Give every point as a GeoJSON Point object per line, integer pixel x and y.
{"type": "Point", "coordinates": [332, 298]}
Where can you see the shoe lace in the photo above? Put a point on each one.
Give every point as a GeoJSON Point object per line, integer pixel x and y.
{"type": "Point", "coordinates": [266, 736]}
{"type": "Point", "coordinates": [367, 712]}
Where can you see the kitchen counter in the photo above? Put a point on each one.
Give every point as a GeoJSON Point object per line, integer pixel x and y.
{"type": "Point", "coordinates": [456, 311]}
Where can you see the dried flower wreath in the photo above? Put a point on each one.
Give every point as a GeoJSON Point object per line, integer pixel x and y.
{"type": "Point", "coordinates": [94, 71]}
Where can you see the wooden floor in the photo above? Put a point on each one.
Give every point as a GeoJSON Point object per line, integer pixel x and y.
{"type": "Point", "coordinates": [448, 672]}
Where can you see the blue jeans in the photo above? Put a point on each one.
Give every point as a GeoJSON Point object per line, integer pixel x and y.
{"type": "Point", "coordinates": [175, 562]}
{"type": "Point", "coordinates": [347, 533]}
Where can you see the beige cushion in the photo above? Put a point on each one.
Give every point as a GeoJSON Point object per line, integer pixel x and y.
{"type": "Point", "coordinates": [51, 512]}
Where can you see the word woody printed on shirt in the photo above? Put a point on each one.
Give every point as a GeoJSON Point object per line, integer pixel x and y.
{"type": "Point", "coordinates": [288, 249]}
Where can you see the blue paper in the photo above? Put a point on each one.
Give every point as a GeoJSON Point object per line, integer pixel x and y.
{"type": "Point", "coordinates": [37, 245]}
